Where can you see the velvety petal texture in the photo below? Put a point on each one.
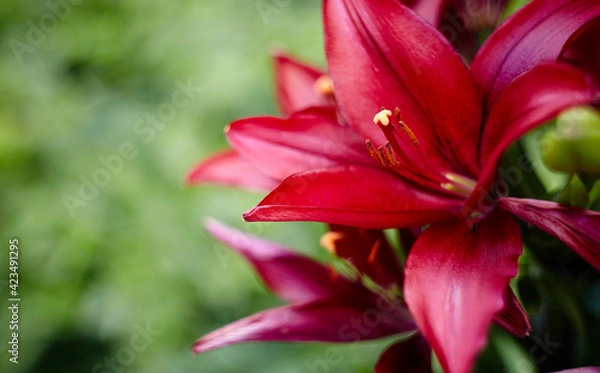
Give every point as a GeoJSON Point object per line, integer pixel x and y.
{"type": "Point", "coordinates": [295, 84]}
{"type": "Point", "coordinates": [380, 54]}
{"type": "Point", "coordinates": [537, 32]}
{"type": "Point", "coordinates": [230, 169]}
{"type": "Point", "coordinates": [356, 196]}
{"type": "Point", "coordinates": [309, 139]}
{"type": "Point", "coordinates": [410, 356]}
{"type": "Point", "coordinates": [455, 280]}
{"type": "Point", "coordinates": [577, 228]}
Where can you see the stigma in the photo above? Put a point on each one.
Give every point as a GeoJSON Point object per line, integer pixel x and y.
{"type": "Point", "coordinates": [382, 118]}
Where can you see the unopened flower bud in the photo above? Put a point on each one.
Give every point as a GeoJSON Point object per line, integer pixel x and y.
{"type": "Point", "coordinates": [574, 146]}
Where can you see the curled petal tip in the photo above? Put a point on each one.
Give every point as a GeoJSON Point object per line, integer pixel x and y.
{"type": "Point", "coordinates": [250, 215]}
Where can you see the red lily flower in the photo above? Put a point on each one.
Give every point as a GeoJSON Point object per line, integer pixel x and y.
{"type": "Point", "coordinates": [438, 153]}
{"type": "Point", "coordinates": [361, 303]}
{"type": "Point", "coordinates": [299, 86]}
{"type": "Point", "coordinates": [325, 305]}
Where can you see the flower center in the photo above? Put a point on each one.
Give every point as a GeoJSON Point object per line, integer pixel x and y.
{"type": "Point", "coordinates": [411, 163]}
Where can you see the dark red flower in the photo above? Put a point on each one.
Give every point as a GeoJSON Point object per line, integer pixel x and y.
{"type": "Point", "coordinates": [436, 145]}
{"type": "Point", "coordinates": [324, 305]}
{"type": "Point", "coordinates": [360, 302]}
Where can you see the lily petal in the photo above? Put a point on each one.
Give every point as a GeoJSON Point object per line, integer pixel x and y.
{"type": "Point", "coordinates": [412, 355]}
{"type": "Point", "coordinates": [455, 281]}
{"type": "Point", "coordinates": [307, 140]}
{"type": "Point", "coordinates": [295, 84]}
{"type": "Point", "coordinates": [229, 168]}
{"type": "Point", "coordinates": [537, 32]}
{"type": "Point", "coordinates": [333, 320]}
{"type": "Point", "coordinates": [290, 276]}
{"type": "Point", "coordinates": [529, 101]}
{"type": "Point", "coordinates": [577, 228]}
{"type": "Point", "coordinates": [579, 49]}
{"type": "Point", "coordinates": [429, 10]}
{"type": "Point", "coordinates": [370, 252]}
{"type": "Point", "coordinates": [512, 317]}
{"type": "Point", "coordinates": [381, 54]}
{"type": "Point", "coordinates": [582, 370]}
{"type": "Point", "coordinates": [353, 195]}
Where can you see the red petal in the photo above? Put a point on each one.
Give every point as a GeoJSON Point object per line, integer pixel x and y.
{"type": "Point", "coordinates": [512, 317]}
{"type": "Point", "coordinates": [429, 10]}
{"type": "Point", "coordinates": [536, 33]}
{"type": "Point", "coordinates": [577, 228]}
{"type": "Point", "coordinates": [295, 84]}
{"type": "Point", "coordinates": [228, 168]}
{"type": "Point", "coordinates": [290, 276]}
{"type": "Point", "coordinates": [454, 283]}
{"type": "Point", "coordinates": [529, 101]}
{"type": "Point", "coordinates": [582, 49]}
{"type": "Point", "coordinates": [355, 196]}
{"type": "Point", "coordinates": [370, 252]}
{"type": "Point", "coordinates": [337, 320]}
{"type": "Point", "coordinates": [381, 54]}
{"type": "Point", "coordinates": [410, 356]}
{"type": "Point", "coordinates": [307, 140]}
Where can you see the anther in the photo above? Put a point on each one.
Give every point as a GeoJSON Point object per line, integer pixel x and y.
{"type": "Point", "coordinates": [463, 181]}
{"type": "Point", "coordinates": [405, 128]}
{"type": "Point", "coordinates": [382, 118]}
{"type": "Point", "coordinates": [389, 155]}
{"type": "Point", "coordinates": [375, 153]}
{"type": "Point", "coordinates": [329, 241]}
{"type": "Point", "coordinates": [324, 85]}
{"type": "Point", "coordinates": [456, 188]}
{"type": "Point", "coordinates": [374, 251]}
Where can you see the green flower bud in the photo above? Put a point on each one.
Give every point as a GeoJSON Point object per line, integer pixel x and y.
{"type": "Point", "coordinates": [574, 145]}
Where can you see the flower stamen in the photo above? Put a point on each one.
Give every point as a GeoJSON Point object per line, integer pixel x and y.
{"type": "Point", "coordinates": [405, 128]}
{"type": "Point", "coordinates": [374, 250]}
{"type": "Point", "coordinates": [324, 85]}
{"type": "Point", "coordinates": [462, 180]}
{"type": "Point", "coordinates": [459, 184]}
{"type": "Point", "coordinates": [329, 241]}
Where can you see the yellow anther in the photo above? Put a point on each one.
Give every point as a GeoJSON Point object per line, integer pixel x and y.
{"type": "Point", "coordinates": [383, 117]}
{"type": "Point", "coordinates": [329, 240]}
{"type": "Point", "coordinates": [456, 189]}
{"type": "Point", "coordinates": [324, 85]}
{"type": "Point", "coordinates": [463, 181]}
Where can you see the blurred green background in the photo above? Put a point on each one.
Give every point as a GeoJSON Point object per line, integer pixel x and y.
{"type": "Point", "coordinates": [102, 266]}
